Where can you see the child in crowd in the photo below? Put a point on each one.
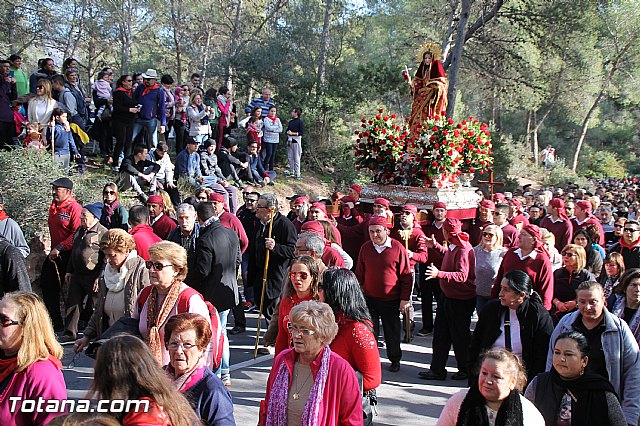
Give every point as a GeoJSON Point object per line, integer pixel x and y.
{"type": "Point", "coordinates": [18, 117]}
{"type": "Point", "coordinates": [33, 137]}
{"type": "Point", "coordinates": [102, 88]}
{"type": "Point", "coordinates": [254, 131]}
{"type": "Point", "coordinates": [60, 137]}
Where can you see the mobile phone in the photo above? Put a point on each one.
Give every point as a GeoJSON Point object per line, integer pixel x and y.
{"type": "Point", "coordinates": [139, 106]}
{"type": "Point", "coordinates": [11, 73]}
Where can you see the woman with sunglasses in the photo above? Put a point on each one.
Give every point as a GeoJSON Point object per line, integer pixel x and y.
{"type": "Point", "coordinates": [310, 384]}
{"type": "Point", "coordinates": [567, 279]}
{"type": "Point", "coordinates": [42, 105]}
{"type": "Point", "coordinates": [114, 215]}
{"type": "Point", "coordinates": [489, 254]}
{"type": "Point", "coordinates": [125, 111]}
{"type": "Point", "coordinates": [123, 278]}
{"type": "Point", "coordinates": [30, 356]}
{"type": "Point", "coordinates": [167, 266]}
{"type": "Point", "coordinates": [302, 285]}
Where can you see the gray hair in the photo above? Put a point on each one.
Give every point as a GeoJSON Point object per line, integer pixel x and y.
{"type": "Point", "coordinates": [318, 316]}
{"type": "Point", "coordinates": [186, 208]}
{"type": "Point", "coordinates": [313, 243]}
{"type": "Point", "coordinates": [271, 199]}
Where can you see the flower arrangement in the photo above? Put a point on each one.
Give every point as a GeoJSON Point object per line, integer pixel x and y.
{"type": "Point", "coordinates": [476, 153]}
{"type": "Point", "coordinates": [380, 145]}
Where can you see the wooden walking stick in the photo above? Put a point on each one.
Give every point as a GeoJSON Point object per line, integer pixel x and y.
{"type": "Point", "coordinates": [405, 234]}
{"type": "Point", "coordinates": [272, 213]}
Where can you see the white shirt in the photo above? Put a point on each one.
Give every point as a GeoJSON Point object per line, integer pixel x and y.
{"type": "Point", "coordinates": [532, 255]}
{"type": "Point", "coordinates": [516, 343]}
{"type": "Point", "coordinates": [380, 249]}
{"type": "Point", "coordinates": [559, 219]}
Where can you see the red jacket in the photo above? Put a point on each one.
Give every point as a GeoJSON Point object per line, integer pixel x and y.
{"type": "Point", "coordinates": [331, 257]}
{"type": "Point", "coordinates": [341, 402]}
{"type": "Point", "coordinates": [64, 219]}
{"type": "Point", "coordinates": [458, 272]}
{"type": "Point", "coordinates": [433, 254]}
{"type": "Point", "coordinates": [386, 275]}
{"type": "Point", "coordinates": [144, 238]}
{"type": "Point", "coordinates": [356, 343]}
{"type": "Point", "coordinates": [163, 226]}
{"type": "Point", "coordinates": [230, 221]}
{"type": "Point", "coordinates": [286, 303]}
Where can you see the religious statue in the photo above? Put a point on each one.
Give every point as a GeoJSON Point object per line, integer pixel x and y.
{"type": "Point", "coordinates": [429, 88]}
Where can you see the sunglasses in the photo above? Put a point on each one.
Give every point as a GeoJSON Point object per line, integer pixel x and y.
{"type": "Point", "coordinates": [406, 213]}
{"type": "Point", "coordinates": [632, 230]}
{"type": "Point", "coordinates": [39, 87]}
{"type": "Point", "coordinates": [488, 234]}
{"type": "Point", "coordinates": [155, 265]}
{"type": "Point", "coordinates": [109, 192]}
{"type": "Point", "coordinates": [5, 321]}
{"type": "Point", "coordinates": [129, 81]}
{"type": "Point", "coordinates": [302, 275]}
{"type": "Point", "coordinates": [568, 254]}
{"type": "Point", "coordinates": [295, 331]}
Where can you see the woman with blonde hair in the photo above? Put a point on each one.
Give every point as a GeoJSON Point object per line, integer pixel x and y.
{"type": "Point", "coordinates": [30, 365]}
{"type": "Point", "coordinates": [123, 278]}
{"type": "Point", "coordinates": [489, 254]}
{"type": "Point", "coordinates": [42, 105]}
{"type": "Point", "coordinates": [567, 279]}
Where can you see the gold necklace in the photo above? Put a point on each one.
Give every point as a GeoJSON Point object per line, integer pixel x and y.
{"type": "Point", "coordinates": [296, 394]}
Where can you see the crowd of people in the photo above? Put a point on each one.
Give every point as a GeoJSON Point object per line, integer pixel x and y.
{"type": "Point", "coordinates": [60, 112]}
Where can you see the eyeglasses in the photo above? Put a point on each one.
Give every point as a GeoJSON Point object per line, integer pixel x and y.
{"type": "Point", "coordinates": [155, 265]}
{"type": "Point", "coordinates": [39, 87]}
{"type": "Point", "coordinates": [488, 234]}
{"type": "Point", "coordinates": [129, 81]}
{"type": "Point", "coordinates": [302, 275]}
{"type": "Point", "coordinates": [186, 346]}
{"type": "Point", "coordinates": [5, 321]}
{"type": "Point", "coordinates": [295, 331]}
{"type": "Point", "coordinates": [568, 254]}
{"type": "Point", "coordinates": [250, 200]}
{"type": "Point", "coordinates": [631, 230]}
{"type": "Point", "coordinates": [109, 192]}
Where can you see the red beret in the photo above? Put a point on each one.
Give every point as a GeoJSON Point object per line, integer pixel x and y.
{"type": "Point", "coordinates": [558, 203]}
{"type": "Point", "coordinates": [382, 202]}
{"type": "Point", "coordinates": [313, 226]}
{"type": "Point", "coordinates": [585, 205]}
{"type": "Point", "coordinates": [439, 205]}
{"type": "Point", "coordinates": [301, 200]}
{"type": "Point", "coordinates": [319, 205]}
{"type": "Point", "coordinates": [410, 208]}
{"type": "Point", "coordinates": [488, 204]}
{"type": "Point", "coordinates": [155, 199]}
{"type": "Point", "coordinates": [515, 202]}
{"type": "Point", "coordinates": [452, 225]}
{"type": "Point", "coordinates": [499, 196]}
{"type": "Point", "coordinates": [356, 188]}
{"type": "Point", "coordinates": [347, 199]}
{"type": "Point", "coordinates": [214, 197]}
{"type": "Point", "coordinates": [378, 220]}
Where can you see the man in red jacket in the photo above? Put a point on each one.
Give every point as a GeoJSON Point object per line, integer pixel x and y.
{"type": "Point", "coordinates": [457, 302]}
{"type": "Point", "coordinates": [161, 223]}
{"type": "Point", "coordinates": [64, 219]}
{"type": "Point", "coordinates": [558, 223]}
{"type": "Point", "coordinates": [141, 232]}
{"type": "Point", "coordinates": [384, 273]}
{"type": "Point", "coordinates": [485, 218]}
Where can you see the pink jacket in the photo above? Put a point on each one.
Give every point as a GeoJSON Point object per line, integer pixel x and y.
{"type": "Point", "coordinates": [341, 402]}
{"type": "Point", "coordinates": [42, 379]}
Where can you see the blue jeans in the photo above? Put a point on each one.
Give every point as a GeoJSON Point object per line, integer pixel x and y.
{"type": "Point", "coordinates": [248, 289]}
{"type": "Point", "coordinates": [151, 125]}
{"type": "Point", "coordinates": [270, 155]}
{"type": "Point", "coordinates": [226, 354]}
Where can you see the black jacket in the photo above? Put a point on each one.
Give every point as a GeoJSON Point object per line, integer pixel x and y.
{"type": "Point", "coordinates": [535, 331]}
{"type": "Point", "coordinates": [227, 163]}
{"type": "Point", "coordinates": [285, 235]}
{"type": "Point", "coordinates": [13, 269]}
{"type": "Point", "coordinates": [631, 256]}
{"type": "Point", "coordinates": [130, 166]}
{"type": "Point", "coordinates": [216, 264]}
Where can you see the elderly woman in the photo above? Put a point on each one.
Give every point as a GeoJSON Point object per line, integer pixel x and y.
{"type": "Point", "coordinates": [613, 268]}
{"type": "Point", "coordinates": [167, 266]}
{"type": "Point", "coordinates": [572, 394]}
{"type": "Point", "coordinates": [628, 300]}
{"type": "Point", "coordinates": [302, 285]}
{"type": "Point", "coordinates": [567, 279]}
{"type": "Point", "coordinates": [614, 350]}
{"type": "Point", "coordinates": [517, 322]}
{"type": "Point", "coordinates": [494, 399]}
{"type": "Point", "coordinates": [186, 338]}
{"type": "Point", "coordinates": [309, 384]}
{"type": "Point", "coordinates": [123, 278]}
{"type": "Point", "coordinates": [30, 365]}
{"type": "Point", "coordinates": [489, 254]}
{"type": "Point", "coordinates": [355, 341]}
{"type": "Point", "coordinates": [114, 214]}
{"type": "Point", "coordinates": [593, 258]}
{"type": "Point", "coordinates": [125, 369]}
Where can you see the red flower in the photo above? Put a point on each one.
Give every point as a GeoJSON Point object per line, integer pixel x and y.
{"type": "Point", "coordinates": [450, 121]}
{"type": "Point", "coordinates": [450, 152]}
{"type": "Point", "coordinates": [471, 169]}
{"type": "Point", "coordinates": [386, 118]}
{"type": "Point", "coordinates": [437, 146]}
{"type": "Point", "coordinates": [434, 164]}
{"type": "Point", "coordinates": [364, 126]}
{"type": "Point", "coordinates": [381, 110]}
{"type": "Point", "coordinates": [393, 116]}
{"type": "Point", "coordinates": [363, 120]}
{"type": "Point", "coordinates": [384, 131]}
{"type": "Point", "coordinates": [432, 138]}
{"type": "Point", "coordinates": [370, 121]}
{"type": "Point", "coordinates": [456, 133]}
{"type": "Point", "coordinates": [378, 116]}
{"type": "Point", "coordinates": [445, 133]}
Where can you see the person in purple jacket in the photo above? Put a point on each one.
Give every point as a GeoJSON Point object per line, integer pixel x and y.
{"type": "Point", "coordinates": [30, 366]}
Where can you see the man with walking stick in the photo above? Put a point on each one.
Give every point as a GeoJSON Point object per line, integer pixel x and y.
{"type": "Point", "coordinates": [269, 258]}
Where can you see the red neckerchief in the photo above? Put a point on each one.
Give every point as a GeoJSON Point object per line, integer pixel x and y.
{"type": "Point", "coordinates": [273, 119]}
{"type": "Point", "coordinates": [629, 246]}
{"type": "Point", "coordinates": [147, 89]}
{"type": "Point", "coordinates": [3, 216]}
{"type": "Point", "coordinates": [7, 367]}
{"type": "Point", "coordinates": [127, 91]}
{"type": "Point", "coordinates": [54, 208]}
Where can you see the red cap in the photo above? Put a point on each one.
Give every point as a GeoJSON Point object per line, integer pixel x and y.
{"type": "Point", "coordinates": [488, 204]}
{"type": "Point", "coordinates": [347, 199]}
{"type": "Point", "coordinates": [585, 205]}
{"type": "Point", "coordinates": [378, 220]}
{"type": "Point", "coordinates": [410, 208]}
{"type": "Point", "coordinates": [301, 200]}
{"type": "Point", "coordinates": [155, 199]}
{"type": "Point", "coordinates": [499, 196]}
{"type": "Point", "coordinates": [319, 205]}
{"type": "Point", "coordinates": [558, 203]}
{"type": "Point", "coordinates": [452, 225]}
{"type": "Point", "coordinates": [356, 187]}
{"type": "Point", "coordinates": [313, 226]}
{"type": "Point", "coordinates": [214, 197]}
{"type": "Point", "coordinates": [439, 205]}
{"type": "Point", "coordinates": [382, 202]}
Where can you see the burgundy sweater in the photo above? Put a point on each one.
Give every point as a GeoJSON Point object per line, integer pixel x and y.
{"type": "Point", "coordinates": [561, 230]}
{"type": "Point", "coordinates": [510, 236]}
{"type": "Point", "coordinates": [163, 226]}
{"type": "Point", "coordinates": [539, 269]}
{"type": "Point", "coordinates": [386, 275]}
{"type": "Point", "coordinates": [458, 273]}
{"type": "Point", "coordinates": [417, 244]}
{"type": "Point", "coordinates": [230, 221]}
{"type": "Point", "coordinates": [331, 257]}
{"type": "Point", "coordinates": [434, 254]}
{"type": "Point", "coordinates": [475, 231]}
{"type": "Point", "coordinates": [591, 220]}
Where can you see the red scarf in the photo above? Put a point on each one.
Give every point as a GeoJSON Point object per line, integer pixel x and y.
{"type": "Point", "coordinates": [55, 208]}
{"type": "Point", "coordinates": [8, 366]}
{"type": "Point", "coordinates": [129, 92]}
{"type": "Point", "coordinates": [629, 246]}
{"type": "Point", "coordinates": [147, 89]}
{"type": "Point", "coordinates": [3, 215]}
{"type": "Point", "coordinates": [274, 119]}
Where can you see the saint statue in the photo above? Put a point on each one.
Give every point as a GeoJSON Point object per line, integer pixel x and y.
{"type": "Point", "coordinates": [429, 89]}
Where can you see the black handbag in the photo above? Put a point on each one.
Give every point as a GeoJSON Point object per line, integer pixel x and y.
{"type": "Point", "coordinates": [125, 325]}
{"type": "Point", "coordinates": [369, 401]}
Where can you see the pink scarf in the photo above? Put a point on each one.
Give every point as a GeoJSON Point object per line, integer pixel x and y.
{"type": "Point", "coordinates": [277, 410]}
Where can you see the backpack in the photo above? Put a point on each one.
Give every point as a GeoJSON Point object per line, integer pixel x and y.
{"type": "Point", "coordinates": [217, 338]}
{"type": "Point", "coordinates": [81, 105]}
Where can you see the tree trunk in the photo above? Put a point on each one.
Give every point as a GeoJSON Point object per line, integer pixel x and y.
{"type": "Point", "coordinates": [324, 49]}
{"type": "Point", "coordinates": [585, 127]}
{"type": "Point", "coordinates": [536, 144]}
{"type": "Point", "coordinates": [175, 19]}
{"type": "Point", "coordinates": [446, 45]}
{"type": "Point", "coordinates": [456, 56]}
{"type": "Point", "coordinates": [527, 138]}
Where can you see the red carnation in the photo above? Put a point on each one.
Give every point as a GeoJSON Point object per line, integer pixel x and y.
{"type": "Point", "coordinates": [456, 133]}
{"type": "Point", "coordinates": [378, 116]}
{"type": "Point", "coordinates": [384, 131]}
{"type": "Point", "coordinates": [370, 121]}
{"type": "Point", "coordinates": [364, 126]}
{"type": "Point", "coordinates": [381, 110]}
{"type": "Point", "coordinates": [445, 133]}
{"type": "Point", "coordinates": [393, 116]}
{"type": "Point", "coordinates": [434, 164]}
{"type": "Point", "coordinates": [471, 169]}
{"type": "Point", "coordinates": [437, 146]}
{"type": "Point", "coordinates": [363, 120]}
{"type": "Point", "coordinates": [386, 118]}
{"type": "Point", "coordinates": [450, 121]}
{"type": "Point", "coordinates": [471, 134]}
{"type": "Point", "coordinates": [432, 138]}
